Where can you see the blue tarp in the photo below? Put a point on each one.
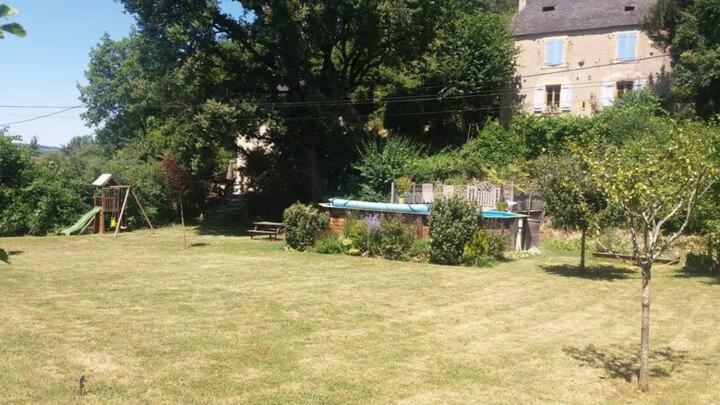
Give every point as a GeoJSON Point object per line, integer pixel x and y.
{"type": "Point", "coordinates": [417, 209]}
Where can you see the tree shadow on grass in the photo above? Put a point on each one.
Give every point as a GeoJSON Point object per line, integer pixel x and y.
{"type": "Point", "coordinates": [15, 252]}
{"type": "Point", "coordinates": [701, 268]}
{"type": "Point", "coordinates": [200, 244]}
{"type": "Point", "coordinates": [622, 362]}
{"type": "Point", "coordinates": [217, 229]}
{"type": "Point", "coordinates": [707, 279]}
{"type": "Point", "coordinates": [598, 272]}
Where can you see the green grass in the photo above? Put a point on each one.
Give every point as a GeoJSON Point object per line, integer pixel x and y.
{"type": "Point", "coordinates": [235, 320]}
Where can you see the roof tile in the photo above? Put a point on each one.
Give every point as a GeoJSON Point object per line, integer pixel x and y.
{"type": "Point", "coordinates": [573, 15]}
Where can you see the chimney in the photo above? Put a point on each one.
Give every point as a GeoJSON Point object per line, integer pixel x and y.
{"type": "Point", "coordinates": [521, 5]}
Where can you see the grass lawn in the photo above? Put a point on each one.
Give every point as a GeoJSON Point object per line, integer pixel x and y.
{"type": "Point", "coordinates": [238, 320]}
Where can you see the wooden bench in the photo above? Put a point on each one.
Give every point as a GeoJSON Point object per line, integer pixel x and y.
{"type": "Point", "coordinates": [271, 229]}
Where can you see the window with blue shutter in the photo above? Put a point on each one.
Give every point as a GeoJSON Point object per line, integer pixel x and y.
{"type": "Point", "coordinates": [627, 46]}
{"type": "Point", "coordinates": [554, 52]}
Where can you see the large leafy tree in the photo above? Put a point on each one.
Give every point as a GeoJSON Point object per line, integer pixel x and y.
{"type": "Point", "coordinates": [308, 78]}
{"type": "Point", "coordinates": [688, 30]}
{"type": "Point", "coordinates": [283, 60]}
{"type": "Point", "coordinates": [14, 164]}
{"type": "Point", "coordinates": [11, 28]}
{"type": "Point", "coordinates": [458, 81]}
{"type": "Point", "coordinates": [18, 30]}
{"type": "Point", "coordinates": [653, 169]}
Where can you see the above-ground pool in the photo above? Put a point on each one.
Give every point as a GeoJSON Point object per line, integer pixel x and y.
{"type": "Point", "coordinates": [500, 214]}
{"type": "Point", "coordinates": [339, 210]}
{"type": "Point", "coordinates": [417, 209]}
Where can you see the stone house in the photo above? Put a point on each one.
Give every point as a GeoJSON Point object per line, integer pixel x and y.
{"type": "Point", "coordinates": [577, 56]}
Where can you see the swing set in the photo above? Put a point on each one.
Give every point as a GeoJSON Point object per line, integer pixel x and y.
{"type": "Point", "coordinates": [110, 200]}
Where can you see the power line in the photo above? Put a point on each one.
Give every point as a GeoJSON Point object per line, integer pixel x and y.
{"type": "Point", "coordinates": [41, 116]}
{"type": "Point", "coordinates": [398, 98]}
{"type": "Point", "coordinates": [388, 100]}
{"type": "Point", "coordinates": [37, 106]}
{"type": "Point", "coordinates": [335, 117]}
{"type": "Point", "coordinates": [33, 115]}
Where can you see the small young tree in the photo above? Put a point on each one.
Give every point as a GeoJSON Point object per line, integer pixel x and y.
{"type": "Point", "coordinates": [179, 183]}
{"type": "Point", "coordinates": [654, 176]}
{"type": "Point", "coordinates": [4, 256]}
{"type": "Point", "coordinates": [570, 199]}
{"type": "Point", "coordinates": [34, 147]}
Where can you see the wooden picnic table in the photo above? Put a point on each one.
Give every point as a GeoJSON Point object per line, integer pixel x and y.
{"type": "Point", "coordinates": [271, 229]}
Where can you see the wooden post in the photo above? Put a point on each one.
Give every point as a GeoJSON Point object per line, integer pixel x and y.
{"type": "Point", "coordinates": [530, 203]}
{"type": "Point", "coordinates": [518, 236]}
{"type": "Point", "coordinates": [101, 216]}
{"type": "Point", "coordinates": [122, 211]}
{"type": "Point", "coordinates": [137, 201]}
{"type": "Point", "coordinates": [182, 219]}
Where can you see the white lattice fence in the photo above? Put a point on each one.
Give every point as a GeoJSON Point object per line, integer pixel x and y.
{"type": "Point", "coordinates": [485, 194]}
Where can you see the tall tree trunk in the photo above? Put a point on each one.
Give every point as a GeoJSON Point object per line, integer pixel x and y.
{"type": "Point", "coordinates": [313, 168]}
{"type": "Point", "coordinates": [582, 249]}
{"type": "Point", "coordinates": [645, 329]}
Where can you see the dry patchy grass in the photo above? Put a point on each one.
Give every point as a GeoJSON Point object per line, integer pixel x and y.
{"type": "Point", "coordinates": [235, 320]}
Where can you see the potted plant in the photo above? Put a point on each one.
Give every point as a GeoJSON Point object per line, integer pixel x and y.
{"type": "Point", "coordinates": [402, 187]}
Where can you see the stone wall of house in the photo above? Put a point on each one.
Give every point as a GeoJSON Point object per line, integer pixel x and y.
{"type": "Point", "coordinates": [589, 64]}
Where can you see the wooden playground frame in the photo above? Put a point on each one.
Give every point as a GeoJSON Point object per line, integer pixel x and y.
{"type": "Point", "coordinates": [106, 196]}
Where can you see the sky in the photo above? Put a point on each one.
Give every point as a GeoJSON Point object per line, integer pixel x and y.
{"type": "Point", "coordinates": [45, 68]}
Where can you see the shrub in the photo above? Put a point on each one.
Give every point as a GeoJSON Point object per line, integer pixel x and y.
{"type": "Point", "coordinates": [328, 245]}
{"type": "Point", "coordinates": [302, 223]}
{"type": "Point", "coordinates": [348, 247]}
{"type": "Point", "coordinates": [498, 242]}
{"type": "Point", "coordinates": [547, 134]}
{"type": "Point", "coordinates": [495, 146]}
{"type": "Point", "coordinates": [477, 250]}
{"type": "Point", "coordinates": [484, 248]}
{"type": "Point", "coordinates": [699, 264]}
{"type": "Point", "coordinates": [356, 231]}
{"type": "Point", "coordinates": [420, 250]}
{"type": "Point", "coordinates": [567, 245]}
{"type": "Point", "coordinates": [403, 185]}
{"type": "Point", "coordinates": [381, 163]}
{"type": "Point", "coordinates": [612, 240]}
{"type": "Point", "coordinates": [396, 239]}
{"type": "Point", "coordinates": [453, 221]}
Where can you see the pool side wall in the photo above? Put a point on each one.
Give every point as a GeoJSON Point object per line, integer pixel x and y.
{"type": "Point", "coordinates": [529, 232]}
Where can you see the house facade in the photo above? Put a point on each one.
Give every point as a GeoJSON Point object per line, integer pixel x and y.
{"type": "Point", "coordinates": [578, 56]}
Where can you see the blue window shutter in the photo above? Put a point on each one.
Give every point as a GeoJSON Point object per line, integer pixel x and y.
{"type": "Point", "coordinates": [554, 52]}
{"type": "Point", "coordinates": [621, 47]}
{"type": "Point", "coordinates": [549, 49]}
{"type": "Point", "coordinates": [632, 45]}
{"type": "Point", "coordinates": [626, 46]}
{"type": "Point", "coordinates": [560, 50]}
